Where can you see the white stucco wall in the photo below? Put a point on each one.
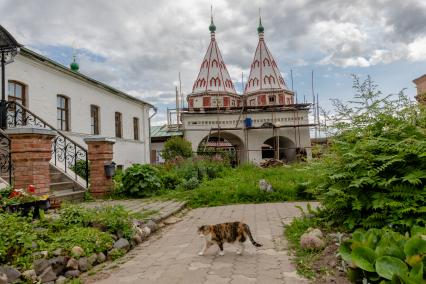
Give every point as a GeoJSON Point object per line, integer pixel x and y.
{"type": "Point", "coordinates": [44, 83]}
{"type": "Point", "coordinates": [251, 147]}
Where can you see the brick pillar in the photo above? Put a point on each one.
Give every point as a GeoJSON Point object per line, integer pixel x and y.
{"type": "Point", "coordinates": [100, 152]}
{"type": "Point", "coordinates": [31, 150]}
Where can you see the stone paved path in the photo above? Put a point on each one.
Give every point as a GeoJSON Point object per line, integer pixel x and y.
{"type": "Point", "coordinates": [171, 256]}
{"type": "Point", "coordinates": [161, 209]}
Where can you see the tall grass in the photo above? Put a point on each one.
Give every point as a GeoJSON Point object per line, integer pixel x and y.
{"type": "Point", "coordinates": [241, 185]}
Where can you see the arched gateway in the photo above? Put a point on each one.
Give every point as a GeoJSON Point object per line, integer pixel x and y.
{"type": "Point", "coordinates": [223, 142]}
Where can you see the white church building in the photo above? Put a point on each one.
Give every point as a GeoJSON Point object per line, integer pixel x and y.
{"type": "Point", "coordinates": [80, 106]}
{"type": "Point", "coordinates": [263, 122]}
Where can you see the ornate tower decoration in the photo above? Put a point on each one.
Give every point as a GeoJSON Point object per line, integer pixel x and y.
{"type": "Point", "coordinates": [265, 85]}
{"type": "Point", "coordinates": [213, 87]}
{"type": "Point", "coordinates": [74, 65]}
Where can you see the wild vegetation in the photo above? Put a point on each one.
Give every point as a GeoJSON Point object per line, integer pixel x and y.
{"type": "Point", "coordinates": [374, 176]}
{"type": "Point", "coordinates": [22, 238]}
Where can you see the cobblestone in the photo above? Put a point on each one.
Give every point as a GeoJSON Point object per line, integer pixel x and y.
{"type": "Point", "coordinates": [172, 257]}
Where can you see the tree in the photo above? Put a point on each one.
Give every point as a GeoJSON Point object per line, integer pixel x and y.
{"type": "Point", "coordinates": [177, 146]}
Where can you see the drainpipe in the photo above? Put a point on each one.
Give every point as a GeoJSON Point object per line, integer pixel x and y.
{"type": "Point", "coordinates": [149, 133]}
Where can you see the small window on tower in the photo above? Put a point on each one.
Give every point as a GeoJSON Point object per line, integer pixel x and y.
{"type": "Point", "coordinates": [271, 99]}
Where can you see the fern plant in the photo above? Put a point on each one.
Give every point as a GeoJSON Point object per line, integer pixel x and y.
{"type": "Point", "coordinates": [376, 167]}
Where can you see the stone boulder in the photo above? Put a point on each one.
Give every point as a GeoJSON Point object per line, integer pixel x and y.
{"type": "Point", "coordinates": [58, 264]}
{"type": "Point", "coordinates": [40, 265]}
{"type": "Point", "coordinates": [3, 278]}
{"type": "Point", "coordinates": [61, 280]}
{"type": "Point", "coordinates": [77, 251]}
{"type": "Point", "coordinates": [83, 264]}
{"type": "Point", "coordinates": [29, 275]}
{"type": "Point", "coordinates": [152, 225]}
{"type": "Point", "coordinates": [72, 274]}
{"type": "Point", "coordinates": [122, 244]}
{"type": "Point", "coordinates": [48, 275]}
{"type": "Point", "coordinates": [72, 264]}
{"type": "Point", "coordinates": [11, 273]}
{"type": "Point", "coordinates": [91, 260]}
{"type": "Point", "coordinates": [101, 257]}
{"type": "Point", "coordinates": [312, 239]}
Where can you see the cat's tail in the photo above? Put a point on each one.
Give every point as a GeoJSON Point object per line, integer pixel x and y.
{"type": "Point", "coordinates": [248, 232]}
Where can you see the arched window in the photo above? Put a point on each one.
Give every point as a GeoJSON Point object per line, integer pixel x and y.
{"type": "Point", "coordinates": [17, 92]}
{"type": "Point", "coordinates": [214, 62]}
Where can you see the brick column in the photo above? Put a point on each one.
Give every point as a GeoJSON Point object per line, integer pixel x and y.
{"type": "Point", "coordinates": [100, 152]}
{"type": "Point", "coordinates": [31, 150]}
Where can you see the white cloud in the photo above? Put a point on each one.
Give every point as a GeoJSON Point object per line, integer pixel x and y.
{"type": "Point", "coordinates": [417, 49]}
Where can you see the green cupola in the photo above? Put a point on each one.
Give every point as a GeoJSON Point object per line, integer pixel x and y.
{"type": "Point", "coordinates": [74, 65]}
{"type": "Point", "coordinates": [260, 28]}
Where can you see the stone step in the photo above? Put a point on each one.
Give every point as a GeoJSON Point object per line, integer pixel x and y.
{"type": "Point", "coordinates": [69, 195]}
{"type": "Point", "coordinates": [58, 177]}
{"type": "Point", "coordinates": [60, 186]}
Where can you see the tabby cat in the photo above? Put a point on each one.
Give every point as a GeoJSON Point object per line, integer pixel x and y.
{"type": "Point", "coordinates": [226, 232]}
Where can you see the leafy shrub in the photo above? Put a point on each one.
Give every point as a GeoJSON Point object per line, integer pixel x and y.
{"type": "Point", "coordinates": [190, 184]}
{"type": "Point", "coordinates": [114, 219]}
{"type": "Point", "coordinates": [176, 147]}
{"type": "Point", "coordinates": [381, 255]}
{"type": "Point", "coordinates": [17, 237]}
{"type": "Point", "coordinates": [75, 215]}
{"type": "Point", "coordinates": [170, 180]}
{"type": "Point", "coordinates": [141, 180]}
{"type": "Point", "coordinates": [81, 169]}
{"type": "Point", "coordinates": [90, 239]}
{"type": "Point", "coordinates": [375, 173]}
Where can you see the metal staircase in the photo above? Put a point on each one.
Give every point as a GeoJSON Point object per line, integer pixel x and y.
{"type": "Point", "coordinates": [67, 154]}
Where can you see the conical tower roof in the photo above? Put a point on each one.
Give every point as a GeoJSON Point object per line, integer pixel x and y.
{"type": "Point", "coordinates": [264, 73]}
{"type": "Point", "coordinates": [213, 76]}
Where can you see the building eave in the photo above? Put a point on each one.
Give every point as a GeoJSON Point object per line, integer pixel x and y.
{"type": "Point", "coordinates": [423, 77]}
{"type": "Point", "coordinates": [61, 68]}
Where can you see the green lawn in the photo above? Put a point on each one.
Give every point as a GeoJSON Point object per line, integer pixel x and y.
{"type": "Point", "coordinates": [241, 185]}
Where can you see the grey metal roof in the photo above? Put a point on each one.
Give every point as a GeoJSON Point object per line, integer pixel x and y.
{"type": "Point", "coordinates": [164, 131]}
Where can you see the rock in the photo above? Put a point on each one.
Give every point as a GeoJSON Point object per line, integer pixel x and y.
{"type": "Point", "coordinates": [29, 275]}
{"type": "Point", "coordinates": [114, 237]}
{"type": "Point", "coordinates": [11, 273]}
{"type": "Point", "coordinates": [40, 265]}
{"type": "Point", "coordinates": [77, 251]}
{"type": "Point", "coordinates": [122, 244]}
{"type": "Point", "coordinates": [61, 280]}
{"type": "Point", "coordinates": [101, 257]}
{"type": "Point", "coordinates": [92, 259]}
{"type": "Point", "coordinates": [58, 252]}
{"type": "Point", "coordinates": [83, 264]}
{"type": "Point", "coordinates": [3, 278]}
{"type": "Point", "coordinates": [120, 234]}
{"type": "Point", "coordinates": [315, 232]}
{"type": "Point", "coordinates": [72, 264]}
{"type": "Point", "coordinates": [171, 220]}
{"type": "Point", "coordinates": [265, 186]}
{"type": "Point", "coordinates": [146, 230]}
{"type": "Point", "coordinates": [308, 241]}
{"type": "Point", "coordinates": [48, 275]}
{"type": "Point", "coordinates": [137, 239]}
{"type": "Point", "coordinates": [161, 225]}
{"type": "Point", "coordinates": [58, 264]}
{"type": "Point", "coordinates": [152, 225]}
{"type": "Point", "coordinates": [72, 274]}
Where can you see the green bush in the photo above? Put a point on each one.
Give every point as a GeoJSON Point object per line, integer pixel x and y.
{"type": "Point", "coordinates": [176, 147]}
{"type": "Point", "coordinates": [81, 169]}
{"type": "Point", "coordinates": [385, 255]}
{"type": "Point", "coordinates": [141, 180]}
{"type": "Point", "coordinates": [90, 239]}
{"type": "Point", "coordinates": [190, 184]}
{"type": "Point", "coordinates": [375, 173]}
{"type": "Point", "coordinates": [17, 237]}
{"type": "Point", "coordinates": [170, 180]}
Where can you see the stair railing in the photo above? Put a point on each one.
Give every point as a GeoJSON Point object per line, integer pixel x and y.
{"type": "Point", "coordinates": [6, 166]}
{"type": "Point", "coordinates": [64, 149]}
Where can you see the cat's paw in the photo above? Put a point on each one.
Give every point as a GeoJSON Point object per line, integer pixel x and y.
{"type": "Point", "coordinates": [221, 253]}
{"type": "Point", "coordinates": [201, 253]}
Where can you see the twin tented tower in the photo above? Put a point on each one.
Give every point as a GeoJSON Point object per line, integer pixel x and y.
{"type": "Point", "coordinates": [263, 122]}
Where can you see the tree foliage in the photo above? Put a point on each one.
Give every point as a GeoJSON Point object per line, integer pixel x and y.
{"type": "Point", "coordinates": [176, 147]}
{"type": "Point", "coordinates": [376, 167]}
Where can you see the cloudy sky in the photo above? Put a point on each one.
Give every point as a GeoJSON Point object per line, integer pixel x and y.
{"type": "Point", "coordinates": [141, 46]}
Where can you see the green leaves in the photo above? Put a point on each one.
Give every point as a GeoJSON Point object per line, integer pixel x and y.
{"type": "Point", "coordinates": [385, 255]}
{"type": "Point", "coordinates": [364, 257]}
{"type": "Point", "coordinates": [387, 266]}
